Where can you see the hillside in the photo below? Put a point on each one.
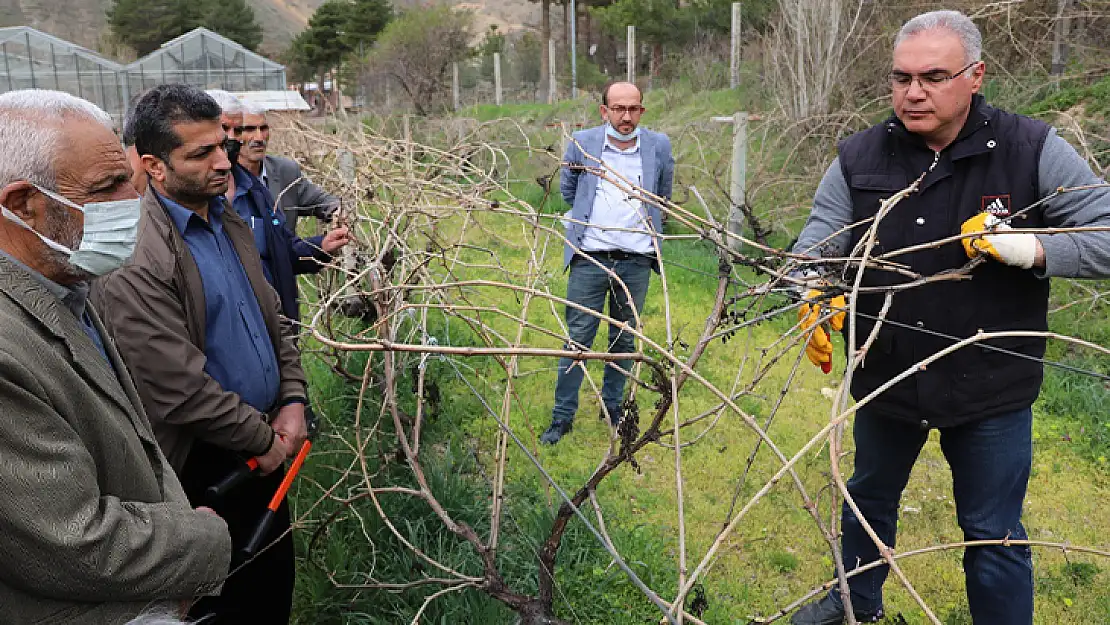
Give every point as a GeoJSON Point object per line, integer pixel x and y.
{"type": "Point", "coordinates": [83, 21]}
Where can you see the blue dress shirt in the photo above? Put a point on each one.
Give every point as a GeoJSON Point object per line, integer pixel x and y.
{"type": "Point", "coordinates": [246, 203]}
{"type": "Point", "coordinates": [240, 355]}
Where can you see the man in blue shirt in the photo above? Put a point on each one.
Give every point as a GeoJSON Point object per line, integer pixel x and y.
{"type": "Point", "coordinates": [214, 360]}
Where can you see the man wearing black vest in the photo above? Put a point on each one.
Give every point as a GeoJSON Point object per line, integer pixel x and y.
{"type": "Point", "coordinates": [984, 166]}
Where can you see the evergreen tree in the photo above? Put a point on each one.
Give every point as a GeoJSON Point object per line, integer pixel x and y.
{"type": "Point", "coordinates": [337, 29]}
{"type": "Point", "coordinates": [365, 20]}
{"type": "Point", "coordinates": [147, 24]}
{"type": "Point", "coordinates": [233, 19]}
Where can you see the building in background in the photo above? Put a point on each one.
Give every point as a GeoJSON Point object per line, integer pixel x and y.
{"type": "Point", "coordinates": [31, 59]}
{"type": "Point", "coordinates": [206, 60]}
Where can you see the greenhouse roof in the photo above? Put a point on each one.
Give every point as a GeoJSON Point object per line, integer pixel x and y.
{"type": "Point", "coordinates": [228, 45]}
{"type": "Point", "coordinates": [11, 33]}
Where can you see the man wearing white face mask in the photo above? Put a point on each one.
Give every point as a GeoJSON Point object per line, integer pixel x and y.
{"type": "Point", "coordinates": [611, 231]}
{"type": "Point", "coordinates": [94, 525]}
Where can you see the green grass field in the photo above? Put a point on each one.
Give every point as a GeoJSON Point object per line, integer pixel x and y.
{"type": "Point", "coordinates": [777, 553]}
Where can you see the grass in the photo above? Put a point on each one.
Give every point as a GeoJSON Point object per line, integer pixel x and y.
{"type": "Point", "coordinates": [777, 554]}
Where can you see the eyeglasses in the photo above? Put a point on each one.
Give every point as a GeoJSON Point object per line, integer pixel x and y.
{"type": "Point", "coordinates": [929, 81]}
{"type": "Point", "coordinates": [621, 110]}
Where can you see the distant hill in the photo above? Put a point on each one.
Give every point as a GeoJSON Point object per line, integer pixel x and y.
{"type": "Point", "coordinates": [84, 21]}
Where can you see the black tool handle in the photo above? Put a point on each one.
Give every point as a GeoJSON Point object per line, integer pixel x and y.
{"type": "Point", "coordinates": [258, 538]}
{"type": "Point", "coordinates": [242, 473]}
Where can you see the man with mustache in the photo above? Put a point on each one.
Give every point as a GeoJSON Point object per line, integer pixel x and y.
{"type": "Point", "coordinates": [296, 195]}
{"type": "Point", "coordinates": [982, 167]}
{"type": "Point", "coordinates": [284, 254]}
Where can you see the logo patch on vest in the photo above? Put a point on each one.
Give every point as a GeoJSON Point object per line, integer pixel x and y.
{"type": "Point", "coordinates": [997, 205]}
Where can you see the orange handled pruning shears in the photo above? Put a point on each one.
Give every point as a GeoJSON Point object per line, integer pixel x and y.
{"type": "Point", "coordinates": [254, 545]}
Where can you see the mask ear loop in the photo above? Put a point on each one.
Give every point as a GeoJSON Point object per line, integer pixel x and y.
{"type": "Point", "coordinates": [59, 198]}
{"type": "Point", "coordinates": [52, 244]}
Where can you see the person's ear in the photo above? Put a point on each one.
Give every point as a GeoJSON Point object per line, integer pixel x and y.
{"type": "Point", "coordinates": [604, 112]}
{"type": "Point", "coordinates": [977, 75]}
{"type": "Point", "coordinates": [21, 198]}
{"type": "Point", "coordinates": [154, 166]}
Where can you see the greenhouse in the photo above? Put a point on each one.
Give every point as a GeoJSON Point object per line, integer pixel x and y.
{"type": "Point", "coordinates": [36, 60]}
{"type": "Point", "coordinates": [207, 60]}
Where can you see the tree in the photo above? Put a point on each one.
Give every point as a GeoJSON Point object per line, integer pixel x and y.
{"type": "Point", "coordinates": [658, 23]}
{"type": "Point", "coordinates": [335, 31]}
{"type": "Point", "coordinates": [147, 24]}
{"type": "Point", "coordinates": [365, 21]}
{"type": "Point", "coordinates": [494, 43]}
{"type": "Point", "coordinates": [527, 59]}
{"type": "Point", "coordinates": [545, 50]}
{"type": "Point", "coordinates": [417, 50]}
{"type": "Point", "coordinates": [233, 19]}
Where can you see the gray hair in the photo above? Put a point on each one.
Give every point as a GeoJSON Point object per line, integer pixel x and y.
{"type": "Point", "coordinates": [253, 108]}
{"type": "Point", "coordinates": [229, 104]}
{"type": "Point", "coordinates": [31, 129]}
{"type": "Point", "coordinates": [954, 22]}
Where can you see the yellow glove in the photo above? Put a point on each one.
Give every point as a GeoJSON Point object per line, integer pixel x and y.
{"type": "Point", "coordinates": [820, 349]}
{"type": "Point", "coordinates": [1018, 249]}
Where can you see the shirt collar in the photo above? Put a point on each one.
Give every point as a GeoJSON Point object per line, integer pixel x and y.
{"type": "Point", "coordinates": [181, 216]}
{"type": "Point", "coordinates": [262, 175]}
{"type": "Point", "coordinates": [244, 181]}
{"type": "Point", "coordinates": [75, 297]}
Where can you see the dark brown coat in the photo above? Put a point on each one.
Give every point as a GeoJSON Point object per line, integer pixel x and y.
{"type": "Point", "coordinates": [154, 307]}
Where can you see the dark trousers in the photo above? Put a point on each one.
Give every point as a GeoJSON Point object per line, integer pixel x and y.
{"type": "Point", "coordinates": [261, 592]}
{"type": "Point", "coordinates": [590, 286]}
{"type": "Point", "coordinates": [990, 461]}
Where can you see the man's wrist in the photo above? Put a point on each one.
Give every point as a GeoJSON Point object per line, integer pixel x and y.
{"type": "Point", "coordinates": [1038, 256]}
{"type": "Point", "coordinates": [293, 400]}
{"type": "Point", "coordinates": [270, 444]}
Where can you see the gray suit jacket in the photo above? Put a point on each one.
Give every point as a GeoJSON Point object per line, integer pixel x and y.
{"type": "Point", "coordinates": [94, 526]}
{"type": "Point", "coordinates": [578, 186]}
{"type": "Point", "coordinates": [292, 191]}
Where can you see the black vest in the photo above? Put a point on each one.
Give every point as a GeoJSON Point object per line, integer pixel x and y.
{"type": "Point", "coordinates": [992, 165]}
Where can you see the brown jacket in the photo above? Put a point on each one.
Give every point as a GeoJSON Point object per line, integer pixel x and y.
{"type": "Point", "coordinates": [94, 526]}
{"type": "Point", "coordinates": [154, 307]}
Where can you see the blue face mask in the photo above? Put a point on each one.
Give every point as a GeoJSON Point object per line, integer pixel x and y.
{"type": "Point", "coordinates": [108, 239]}
{"type": "Point", "coordinates": [618, 135]}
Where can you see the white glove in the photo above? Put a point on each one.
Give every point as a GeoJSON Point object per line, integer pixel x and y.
{"type": "Point", "coordinates": [1013, 248]}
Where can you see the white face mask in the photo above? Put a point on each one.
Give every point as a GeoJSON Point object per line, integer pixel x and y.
{"type": "Point", "coordinates": [109, 235]}
{"type": "Point", "coordinates": [612, 131]}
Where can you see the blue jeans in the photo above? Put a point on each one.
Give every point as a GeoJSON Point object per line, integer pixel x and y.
{"type": "Point", "coordinates": [590, 286]}
{"type": "Point", "coordinates": [990, 461]}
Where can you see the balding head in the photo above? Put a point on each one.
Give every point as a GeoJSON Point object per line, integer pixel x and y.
{"type": "Point", "coordinates": [622, 88]}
